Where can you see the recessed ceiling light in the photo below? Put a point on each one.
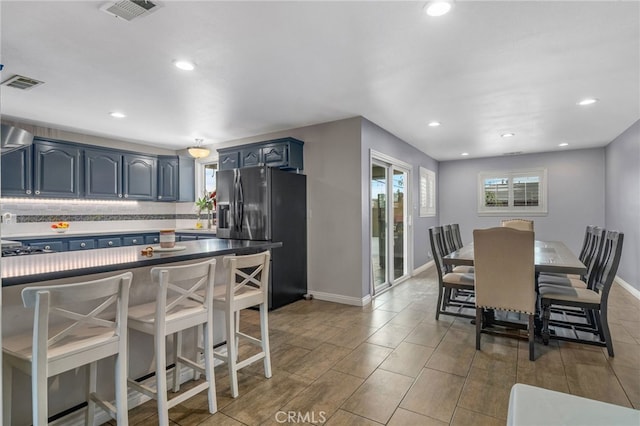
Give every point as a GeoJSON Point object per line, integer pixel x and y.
{"type": "Point", "coordinates": [116, 114]}
{"type": "Point", "coordinates": [563, 144]}
{"type": "Point", "coordinates": [437, 8]}
{"type": "Point", "coordinates": [184, 65]}
{"type": "Point", "coordinates": [434, 124]}
{"type": "Point", "coordinates": [507, 135]}
{"type": "Point", "coordinates": [587, 101]}
{"type": "Point", "coordinates": [464, 154]}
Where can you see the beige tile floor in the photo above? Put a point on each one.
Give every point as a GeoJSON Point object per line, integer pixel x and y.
{"type": "Point", "coordinates": [392, 363]}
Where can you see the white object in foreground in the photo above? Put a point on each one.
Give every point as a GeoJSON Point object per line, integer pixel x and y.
{"type": "Point", "coordinates": [530, 405]}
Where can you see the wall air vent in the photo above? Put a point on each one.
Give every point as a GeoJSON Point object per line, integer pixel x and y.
{"type": "Point", "coordinates": [129, 9]}
{"type": "Point", "coordinates": [22, 82]}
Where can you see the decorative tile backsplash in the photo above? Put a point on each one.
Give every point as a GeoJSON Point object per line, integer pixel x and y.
{"type": "Point", "coordinates": [100, 217]}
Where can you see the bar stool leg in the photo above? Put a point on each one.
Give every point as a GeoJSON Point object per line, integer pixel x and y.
{"type": "Point", "coordinates": [208, 367]}
{"type": "Point", "coordinates": [122, 415]}
{"type": "Point", "coordinates": [264, 335]}
{"type": "Point", "coordinates": [161, 379]}
{"type": "Point", "coordinates": [39, 390]}
{"type": "Point", "coordinates": [232, 354]}
{"type": "Point", "coordinates": [92, 376]}
{"type": "Point", "coordinates": [177, 353]}
{"type": "Point", "coordinates": [7, 382]}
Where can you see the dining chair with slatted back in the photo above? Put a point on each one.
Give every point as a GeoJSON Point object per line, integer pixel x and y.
{"type": "Point", "coordinates": [184, 301]}
{"type": "Point", "coordinates": [590, 259]}
{"type": "Point", "coordinates": [447, 280]}
{"type": "Point", "coordinates": [457, 238]}
{"type": "Point", "coordinates": [593, 299]}
{"type": "Point", "coordinates": [74, 325]}
{"type": "Point", "coordinates": [505, 275]}
{"type": "Point", "coordinates": [447, 236]}
{"type": "Point", "coordinates": [520, 224]}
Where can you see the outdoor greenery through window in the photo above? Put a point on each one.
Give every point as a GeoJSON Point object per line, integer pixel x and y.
{"type": "Point", "coordinates": [516, 191]}
{"type": "Point", "coordinates": [210, 177]}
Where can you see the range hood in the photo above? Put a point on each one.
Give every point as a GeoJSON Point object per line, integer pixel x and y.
{"type": "Point", "coordinates": [13, 138]}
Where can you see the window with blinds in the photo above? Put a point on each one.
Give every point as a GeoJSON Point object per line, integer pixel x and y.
{"type": "Point", "coordinates": [515, 191]}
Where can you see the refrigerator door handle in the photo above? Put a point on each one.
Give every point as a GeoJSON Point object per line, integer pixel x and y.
{"type": "Point", "coordinates": [240, 203]}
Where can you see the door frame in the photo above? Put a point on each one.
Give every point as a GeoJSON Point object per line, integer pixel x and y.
{"type": "Point", "coordinates": [407, 168]}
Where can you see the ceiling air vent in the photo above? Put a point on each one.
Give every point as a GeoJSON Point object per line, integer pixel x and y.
{"type": "Point", "coordinates": [22, 82]}
{"type": "Point", "coordinates": [513, 153]}
{"type": "Point", "coordinates": [129, 9]}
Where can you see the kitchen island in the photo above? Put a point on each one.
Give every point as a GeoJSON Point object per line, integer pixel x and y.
{"type": "Point", "coordinates": [45, 267]}
{"type": "Point", "coordinates": [66, 391]}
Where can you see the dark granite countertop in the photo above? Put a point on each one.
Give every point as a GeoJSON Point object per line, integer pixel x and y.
{"type": "Point", "coordinates": [42, 267]}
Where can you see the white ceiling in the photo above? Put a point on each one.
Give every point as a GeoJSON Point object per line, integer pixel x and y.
{"type": "Point", "coordinates": [484, 69]}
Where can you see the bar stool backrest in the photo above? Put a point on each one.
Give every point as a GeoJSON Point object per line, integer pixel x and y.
{"type": "Point", "coordinates": [249, 280]}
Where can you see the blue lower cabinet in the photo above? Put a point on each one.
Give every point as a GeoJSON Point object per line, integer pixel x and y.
{"type": "Point", "coordinates": [133, 240]}
{"type": "Point", "coordinates": [152, 239]}
{"type": "Point", "coordinates": [48, 245]}
{"type": "Point", "coordinates": [82, 244]}
{"type": "Point", "coordinates": [109, 242]}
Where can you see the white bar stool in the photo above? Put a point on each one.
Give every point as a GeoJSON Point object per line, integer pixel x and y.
{"type": "Point", "coordinates": [69, 332]}
{"type": "Point", "coordinates": [247, 286]}
{"type": "Point", "coordinates": [183, 301]}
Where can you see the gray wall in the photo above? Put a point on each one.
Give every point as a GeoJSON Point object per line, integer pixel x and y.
{"type": "Point", "coordinates": [332, 166]}
{"type": "Point", "coordinates": [622, 211]}
{"type": "Point", "coordinates": [576, 193]}
{"type": "Point", "coordinates": [378, 139]}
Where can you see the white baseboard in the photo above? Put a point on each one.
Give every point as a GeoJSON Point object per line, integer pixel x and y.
{"type": "Point", "coordinates": [631, 289]}
{"type": "Point", "coordinates": [423, 268]}
{"type": "Point", "coordinates": [338, 298]}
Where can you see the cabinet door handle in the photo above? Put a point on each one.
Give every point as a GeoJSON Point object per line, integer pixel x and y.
{"type": "Point", "coordinates": [47, 247]}
{"type": "Point", "coordinates": [37, 192]}
{"type": "Point", "coordinates": [135, 241]}
{"type": "Point", "coordinates": [120, 195]}
{"type": "Point", "coordinates": [126, 195]}
{"type": "Point", "coordinates": [28, 192]}
{"type": "Point", "coordinates": [159, 197]}
{"type": "Point", "coordinates": [83, 245]}
{"type": "Point", "coordinates": [155, 240]}
{"type": "Point", "coordinates": [110, 243]}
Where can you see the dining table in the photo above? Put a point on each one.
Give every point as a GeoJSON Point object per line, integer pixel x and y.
{"type": "Point", "coordinates": [549, 256]}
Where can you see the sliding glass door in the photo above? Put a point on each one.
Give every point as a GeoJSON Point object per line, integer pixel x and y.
{"type": "Point", "coordinates": [389, 221]}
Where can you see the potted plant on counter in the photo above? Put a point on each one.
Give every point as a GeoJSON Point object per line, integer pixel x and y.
{"type": "Point", "coordinates": [206, 202]}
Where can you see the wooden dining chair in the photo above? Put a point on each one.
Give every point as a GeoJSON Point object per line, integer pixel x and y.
{"type": "Point", "coordinates": [457, 238]}
{"type": "Point", "coordinates": [74, 325]}
{"type": "Point", "coordinates": [520, 224]}
{"type": "Point", "coordinates": [505, 275]}
{"type": "Point", "coordinates": [450, 281]}
{"type": "Point", "coordinates": [592, 299]}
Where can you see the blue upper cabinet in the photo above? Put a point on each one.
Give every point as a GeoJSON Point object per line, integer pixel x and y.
{"type": "Point", "coordinates": [103, 174]}
{"type": "Point", "coordinates": [229, 159]}
{"type": "Point", "coordinates": [56, 170]}
{"type": "Point", "coordinates": [16, 168]}
{"type": "Point", "coordinates": [140, 177]}
{"type": "Point", "coordinates": [59, 169]}
{"type": "Point", "coordinates": [168, 176]}
{"type": "Point", "coordinates": [285, 153]}
{"type": "Point", "coordinates": [176, 178]}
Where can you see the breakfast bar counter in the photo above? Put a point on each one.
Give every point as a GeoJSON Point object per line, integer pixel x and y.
{"type": "Point", "coordinates": [67, 390]}
{"type": "Point", "coordinates": [44, 267]}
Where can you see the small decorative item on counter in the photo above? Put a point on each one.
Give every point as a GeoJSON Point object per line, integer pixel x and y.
{"type": "Point", "coordinates": [147, 252]}
{"type": "Point", "coordinates": [167, 238]}
{"type": "Point", "coordinates": [60, 227]}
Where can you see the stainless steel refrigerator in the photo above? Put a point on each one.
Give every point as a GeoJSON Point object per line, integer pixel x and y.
{"type": "Point", "coordinates": [268, 204]}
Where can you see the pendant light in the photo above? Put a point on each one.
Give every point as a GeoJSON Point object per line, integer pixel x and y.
{"type": "Point", "coordinates": [198, 151]}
